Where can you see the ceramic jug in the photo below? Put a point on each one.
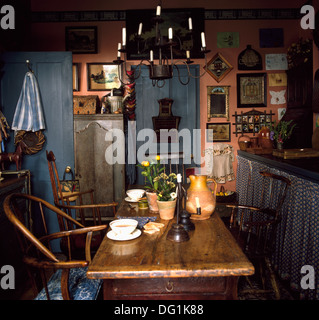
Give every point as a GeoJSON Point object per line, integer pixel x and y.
{"type": "Point", "coordinates": [206, 198]}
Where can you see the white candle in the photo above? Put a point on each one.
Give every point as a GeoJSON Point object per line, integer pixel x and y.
{"type": "Point", "coordinates": [151, 55]}
{"type": "Point", "coordinates": [140, 28]}
{"type": "Point", "coordinates": [179, 177]}
{"type": "Point", "coordinates": [188, 54]}
{"type": "Point", "coordinates": [197, 202]}
{"type": "Point", "coordinates": [170, 33]}
{"type": "Point", "coordinates": [203, 40]}
{"type": "Point", "coordinates": [190, 24]}
{"type": "Point", "coordinates": [119, 46]}
{"type": "Point", "coordinates": [124, 37]}
{"type": "Point", "coordinates": [158, 10]}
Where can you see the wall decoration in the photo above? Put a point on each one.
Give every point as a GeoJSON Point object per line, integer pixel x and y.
{"type": "Point", "coordinates": [277, 79]}
{"type": "Point", "coordinates": [218, 102]}
{"type": "Point", "coordinates": [218, 132]}
{"type": "Point", "coordinates": [315, 32]}
{"type": "Point", "coordinates": [251, 121]}
{"type": "Point", "coordinates": [276, 61]}
{"type": "Point", "coordinates": [227, 39]}
{"type": "Point", "coordinates": [171, 18]}
{"type": "Point", "coordinates": [281, 113]}
{"type": "Point", "coordinates": [277, 97]}
{"type": "Point", "coordinates": [249, 59]}
{"type": "Point", "coordinates": [271, 38]}
{"type": "Point", "coordinates": [81, 39]}
{"type": "Point", "coordinates": [315, 94]}
{"type": "Point", "coordinates": [75, 76]}
{"type": "Point", "coordinates": [218, 67]}
{"type": "Point", "coordinates": [165, 121]}
{"type": "Point", "coordinates": [102, 76]}
{"type": "Point", "coordinates": [251, 90]}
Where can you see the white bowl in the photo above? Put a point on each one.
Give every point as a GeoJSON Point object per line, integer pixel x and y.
{"type": "Point", "coordinates": [123, 227]}
{"type": "Point", "coordinates": [135, 194]}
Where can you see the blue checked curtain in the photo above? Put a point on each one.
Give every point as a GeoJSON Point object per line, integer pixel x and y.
{"type": "Point", "coordinates": [28, 115]}
{"type": "Point", "coordinates": [297, 239]}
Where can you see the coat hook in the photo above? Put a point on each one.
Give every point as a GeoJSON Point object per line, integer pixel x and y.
{"type": "Point", "coordinates": [28, 64]}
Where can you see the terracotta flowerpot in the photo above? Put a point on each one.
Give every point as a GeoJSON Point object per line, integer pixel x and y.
{"type": "Point", "coordinates": [206, 197]}
{"type": "Point", "coordinates": [166, 209]}
{"type": "Point", "coordinates": [152, 201]}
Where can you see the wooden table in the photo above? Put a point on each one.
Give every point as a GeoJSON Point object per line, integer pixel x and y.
{"type": "Point", "coordinates": [152, 267]}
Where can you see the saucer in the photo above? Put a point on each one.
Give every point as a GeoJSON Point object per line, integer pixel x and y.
{"type": "Point", "coordinates": [128, 199]}
{"type": "Point", "coordinates": [113, 236]}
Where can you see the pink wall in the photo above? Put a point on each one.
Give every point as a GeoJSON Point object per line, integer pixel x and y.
{"type": "Point", "coordinates": [50, 37]}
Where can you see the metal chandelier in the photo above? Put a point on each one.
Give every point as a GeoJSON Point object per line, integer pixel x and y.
{"type": "Point", "coordinates": [163, 45]}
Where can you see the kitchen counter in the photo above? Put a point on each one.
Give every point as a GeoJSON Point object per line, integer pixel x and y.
{"type": "Point", "coordinates": [306, 168]}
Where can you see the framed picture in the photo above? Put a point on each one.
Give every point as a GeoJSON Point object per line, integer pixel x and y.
{"type": "Point", "coordinates": [218, 102]}
{"type": "Point", "coordinates": [102, 76]}
{"type": "Point", "coordinates": [218, 67]}
{"type": "Point", "coordinates": [252, 121]}
{"type": "Point", "coordinates": [251, 90]}
{"type": "Point", "coordinates": [81, 39]}
{"type": "Point", "coordinates": [218, 132]}
{"type": "Point", "coordinates": [75, 73]}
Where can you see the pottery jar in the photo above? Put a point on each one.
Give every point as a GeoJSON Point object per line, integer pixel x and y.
{"type": "Point", "coordinates": [166, 209]}
{"type": "Point", "coordinates": [152, 201]}
{"type": "Point", "coordinates": [206, 197]}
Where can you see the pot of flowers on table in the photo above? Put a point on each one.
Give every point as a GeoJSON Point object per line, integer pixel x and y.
{"type": "Point", "coordinates": [151, 169]}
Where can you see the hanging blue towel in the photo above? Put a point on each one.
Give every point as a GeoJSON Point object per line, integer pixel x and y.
{"type": "Point", "coordinates": [28, 115]}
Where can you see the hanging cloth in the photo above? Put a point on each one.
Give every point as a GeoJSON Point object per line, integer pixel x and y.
{"type": "Point", "coordinates": [219, 162]}
{"type": "Point", "coordinates": [28, 115]}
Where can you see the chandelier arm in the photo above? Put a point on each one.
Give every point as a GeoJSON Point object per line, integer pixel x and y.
{"type": "Point", "coordinates": [205, 68]}
{"type": "Point", "coordinates": [140, 71]}
{"type": "Point", "coordinates": [179, 76]}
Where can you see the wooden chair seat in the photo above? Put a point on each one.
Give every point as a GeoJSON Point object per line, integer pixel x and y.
{"type": "Point", "coordinates": [80, 288]}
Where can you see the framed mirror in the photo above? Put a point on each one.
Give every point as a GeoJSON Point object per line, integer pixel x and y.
{"type": "Point", "coordinates": [218, 102]}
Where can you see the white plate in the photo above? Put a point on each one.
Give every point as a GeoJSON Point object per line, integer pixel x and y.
{"type": "Point", "coordinates": [128, 199]}
{"type": "Point", "coordinates": [113, 236]}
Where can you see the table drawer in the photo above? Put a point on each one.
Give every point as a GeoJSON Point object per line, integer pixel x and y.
{"type": "Point", "coordinates": [169, 285]}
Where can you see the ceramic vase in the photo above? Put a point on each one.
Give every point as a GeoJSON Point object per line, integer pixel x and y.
{"type": "Point", "coordinates": [166, 209]}
{"type": "Point", "coordinates": [152, 201]}
{"type": "Point", "coordinates": [206, 197]}
{"type": "Point", "coordinates": [280, 145]}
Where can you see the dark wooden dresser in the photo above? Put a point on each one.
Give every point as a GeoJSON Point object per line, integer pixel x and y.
{"type": "Point", "coordinates": [9, 247]}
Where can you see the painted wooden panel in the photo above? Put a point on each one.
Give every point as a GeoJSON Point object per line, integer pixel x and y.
{"type": "Point", "coordinates": [185, 105]}
{"type": "Point", "coordinates": [53, 71]}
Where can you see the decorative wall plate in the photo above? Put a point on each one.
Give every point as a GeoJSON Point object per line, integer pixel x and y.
{"type": "Point", "coordinates": [249, 59]}
{"type": "Point", "coordinates": [218, 67]}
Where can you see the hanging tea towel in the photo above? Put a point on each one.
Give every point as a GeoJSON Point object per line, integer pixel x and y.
{"type": "Point", "coordinates": [219, 162]}
{"type": "Point", "coordinates": [28, 115]}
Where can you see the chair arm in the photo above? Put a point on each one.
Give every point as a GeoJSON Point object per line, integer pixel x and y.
{"type": "Point", "coordinates": [73, 232]}
{"type": "Point", "coordinates": [34, 262]}
{"type": "Point", "coordinates": [73, 194]}
{"type": "Point", "coordinates": [85, 206]}
{"type": "Point", "coordinates": [238, 206]}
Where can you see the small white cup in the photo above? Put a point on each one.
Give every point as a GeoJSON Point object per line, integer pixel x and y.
{"type": "Point", "coordinates": [123, 227]}
{"type": "Point", "coordinates": [135, 194]}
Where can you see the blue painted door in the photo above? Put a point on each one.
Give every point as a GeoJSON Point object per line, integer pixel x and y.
{"type": "Point", "coordinates": [53, 71]}
{"type": "Point", "coordinates": [185, 105]}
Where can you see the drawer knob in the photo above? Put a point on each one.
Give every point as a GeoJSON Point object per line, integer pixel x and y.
{"type": "Point", "coordinates": [169, 286]}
